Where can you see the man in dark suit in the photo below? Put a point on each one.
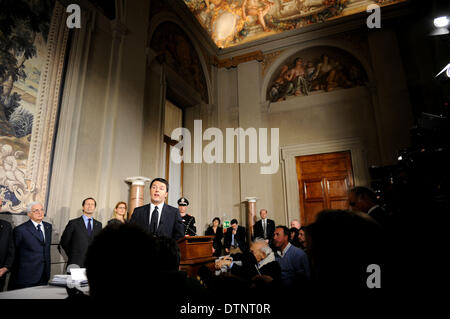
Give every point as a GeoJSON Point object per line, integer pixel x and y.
{"type": "Point", "coordinates": [363, 199]}
{"type": "Point", "coordinates": [79, 233]}
{"type": "Point", "coordinates": [32, 241]}
{"type": "Point", "coordinates": [235, 240]}
{"type": "Point", "coordinates": [264, 228]}
{"type": "Point", "coordinates": [6, 249]}
{"type": "Point", "coordinates": [158, 218]}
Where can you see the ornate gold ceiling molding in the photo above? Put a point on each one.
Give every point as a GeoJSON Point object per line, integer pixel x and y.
{"type": "Point", "coordinates": [236, 60]}
{"type": "Point", "coordinates": [268, 59]}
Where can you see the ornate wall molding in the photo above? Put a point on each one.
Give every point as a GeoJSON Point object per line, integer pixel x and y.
{"type": "Point", "coordinates": [236, 60]}
{"type": "Point", "coordinates": [59, 199]}
{"type": "Point", "coordinates": [269, 58]}
{"type": "Point", "coordinates": [47, 105]}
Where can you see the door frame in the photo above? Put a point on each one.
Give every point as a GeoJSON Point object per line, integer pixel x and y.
{"type": "Point", "coordinates": [290, 181]}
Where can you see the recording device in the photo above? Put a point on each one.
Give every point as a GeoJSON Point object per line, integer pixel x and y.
{"type": "Point", "coordinates": [421, 169]}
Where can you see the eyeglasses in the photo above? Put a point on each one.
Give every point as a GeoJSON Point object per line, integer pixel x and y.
{"type": "Point", "coordinates": [37, 210]}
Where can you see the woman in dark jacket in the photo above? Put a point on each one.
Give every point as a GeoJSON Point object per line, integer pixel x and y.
{"type": "Point", "coordinates": [119, 214]}
{"type": "Point", "coordinates": [217, 231]}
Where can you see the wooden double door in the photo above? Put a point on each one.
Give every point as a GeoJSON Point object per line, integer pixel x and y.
{"type": "Point", "coordinates": [324, 181]}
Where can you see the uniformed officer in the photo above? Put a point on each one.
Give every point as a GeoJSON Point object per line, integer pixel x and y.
{"type": "Point", "coordinates": [188, 220]}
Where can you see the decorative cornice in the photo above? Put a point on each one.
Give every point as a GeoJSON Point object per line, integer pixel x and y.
{"type": "Point", "coordinates": [268, 59]}
{"type": "Point", "coordinates": [236, 60]}
{"type": "Point", "coordinates": [291, 151]}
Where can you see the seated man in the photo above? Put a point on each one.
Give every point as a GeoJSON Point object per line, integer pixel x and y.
{"type": "Point", "coordinates": [265, 258]}
{"type": "Point", "coordinates": [235, 241]}
{"type": "Point", "coordinates": [261, 262]}
{"type": "Point", "coordinates": [293, 261]}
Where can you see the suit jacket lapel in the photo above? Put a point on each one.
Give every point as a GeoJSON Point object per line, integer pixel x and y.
{"type": "Point", "coordinates": [162, 218]}
{"type": "Point", "coordinates": [146, 216]}
{"type": "Point", "coordinates": [33, 230]}
{"type": "Point", "coordinates": [96, 226]}
{"type": "Point", "coordinates": [48, 232]}
{"type": "Point", "coordinates": [82, 225]}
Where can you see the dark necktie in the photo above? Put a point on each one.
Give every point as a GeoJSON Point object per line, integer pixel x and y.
{"type": "Point", "coordinates": [154, 221]}
{"type": "Point", "coordinates": [41, 236]}
{"type": "Point", "coordinates": [89, 227]}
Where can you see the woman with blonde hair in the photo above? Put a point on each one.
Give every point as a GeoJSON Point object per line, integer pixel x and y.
{"type": "Point", "coordinates": [119, 214]}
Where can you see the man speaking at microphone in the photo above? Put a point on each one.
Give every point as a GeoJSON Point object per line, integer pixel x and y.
{"type": "Point", "coordinates": [158, 218]}
{"type": "Point", "coordinates": [188, 220]}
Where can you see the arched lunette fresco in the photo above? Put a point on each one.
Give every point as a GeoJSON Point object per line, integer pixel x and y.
{"type": "Point", "coordinates": [315, 70]}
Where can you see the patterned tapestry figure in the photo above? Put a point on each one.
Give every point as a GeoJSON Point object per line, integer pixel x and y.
{"type": "Point", "coordinates": [23, 43]}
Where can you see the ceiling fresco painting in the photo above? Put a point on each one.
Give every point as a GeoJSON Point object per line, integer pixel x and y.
{"type": "Point", "coordinates": [233, 22]}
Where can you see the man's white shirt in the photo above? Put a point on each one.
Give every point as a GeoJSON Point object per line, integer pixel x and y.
{"type": "Point", "coordinates": [152, 208]}
{"type": "Point", "coordinates": [42, 227]}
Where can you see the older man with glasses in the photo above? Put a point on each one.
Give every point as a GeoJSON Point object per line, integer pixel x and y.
{"type": "Point", "coordinates": [32, 241]}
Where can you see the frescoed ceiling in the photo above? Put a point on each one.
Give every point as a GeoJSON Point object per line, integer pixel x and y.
{"type": "Point", "coordinates": [233, 22]}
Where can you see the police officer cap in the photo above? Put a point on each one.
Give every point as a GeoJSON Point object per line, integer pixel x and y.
{"type": "Point", "coordinates": [183, 202]}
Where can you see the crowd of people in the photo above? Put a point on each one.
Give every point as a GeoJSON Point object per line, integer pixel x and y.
{"type": "Point", "coordinates": [334, 252]}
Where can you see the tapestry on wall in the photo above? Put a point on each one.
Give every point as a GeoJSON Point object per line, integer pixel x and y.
{"type": "Point", "coordinates": [33, 40]}
{"type": "Point", "coordinates": [316, 70]}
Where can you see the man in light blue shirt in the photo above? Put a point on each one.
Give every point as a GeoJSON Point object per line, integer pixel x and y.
{"type": "Point", "coordinates": [293, 261]}
{"type": "Point", "coordinates": [79, 233]}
